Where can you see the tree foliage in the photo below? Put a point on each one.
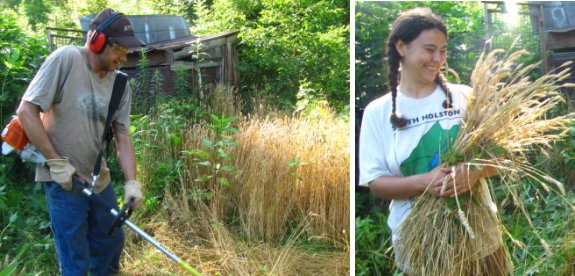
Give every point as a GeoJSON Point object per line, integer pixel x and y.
{"type": "Point", "coordinates": [20, 57]}
{"type": "Point", "coordinates": [286, 45]}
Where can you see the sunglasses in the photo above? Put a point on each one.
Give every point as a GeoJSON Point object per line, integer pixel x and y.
{"type": "Point", "coordinates": [120, 50]}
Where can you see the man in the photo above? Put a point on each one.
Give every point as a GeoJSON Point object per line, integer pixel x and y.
{"type": "Point", "coordinates": [63, 112]}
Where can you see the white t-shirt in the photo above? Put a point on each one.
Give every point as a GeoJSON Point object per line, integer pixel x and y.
{"type": "Point", "coordinates": [415, 149]}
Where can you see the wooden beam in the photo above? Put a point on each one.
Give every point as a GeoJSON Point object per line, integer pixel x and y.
{"type": "Point", "coordinates": [188, 65]}
{"type": "Point", "coordinates": [155, 58]}
{"type": "Point", "coordinates": [207, 64]}
{"type": "Point", "coordinates": [557, 41]}
{"type": "Point", "coordinates": [203, 46]}
{"type": "Point", "coordinates": [205, 43]}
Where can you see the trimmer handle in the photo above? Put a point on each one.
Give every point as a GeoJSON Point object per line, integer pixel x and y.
{"type": "Point", "coordinates": [83, 186]}
{"type": "Point", "coordinates": [121, 217]}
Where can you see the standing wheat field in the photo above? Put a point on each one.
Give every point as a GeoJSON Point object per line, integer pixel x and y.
{"type": "Point", "coordinates": [275, 201]}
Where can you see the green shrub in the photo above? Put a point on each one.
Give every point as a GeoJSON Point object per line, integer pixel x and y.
{"type": "Point", "coordinates": [373, 251]}
{"type": "Point", "coordinates": [281, 44]}
{"type": "Point", "coordinates": [20, 57]}
{"type": "Point", "coordinates": [24, 222]}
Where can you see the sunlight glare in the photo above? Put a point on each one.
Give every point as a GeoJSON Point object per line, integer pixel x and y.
{"type": "Point", "coordinates": [511, 17]}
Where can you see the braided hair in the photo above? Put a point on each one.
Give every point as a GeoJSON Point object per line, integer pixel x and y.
{"type": "Point", "coordinates": [407, 27]}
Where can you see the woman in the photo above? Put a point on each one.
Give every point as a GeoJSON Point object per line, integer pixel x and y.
{"type": "Point", "coordinates": [404, 132]}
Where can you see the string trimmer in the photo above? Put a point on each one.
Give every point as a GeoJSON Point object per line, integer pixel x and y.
{"type": "Point", "coordinates": [15, 139]}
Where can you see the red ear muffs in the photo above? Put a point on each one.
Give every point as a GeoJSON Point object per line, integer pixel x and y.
{"type": "Point", "coordinates": [98, 40]}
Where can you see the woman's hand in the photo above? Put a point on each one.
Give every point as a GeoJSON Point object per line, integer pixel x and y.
{"type": "Point", "coordinates": [435, 178]}
{"type": "Point", "coordinates": [459, 179]}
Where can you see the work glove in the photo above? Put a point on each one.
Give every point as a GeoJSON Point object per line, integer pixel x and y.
{"type": "Point", "coordinates": [133, 191]}
{"type": "Point", "coordinates": [61, 172]}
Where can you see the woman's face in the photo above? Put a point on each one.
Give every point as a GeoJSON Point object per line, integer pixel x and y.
{"type": "Point", "coordinates": [423, 57]}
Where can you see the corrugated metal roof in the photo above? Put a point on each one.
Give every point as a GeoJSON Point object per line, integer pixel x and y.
{"type": "Point", "coordinates": [152, 29]}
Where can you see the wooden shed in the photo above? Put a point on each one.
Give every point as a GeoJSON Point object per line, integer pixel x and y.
{"type": "Point", "coordinates": [169, 46]}
{"type": "Point", "coordinates": [554, 23]}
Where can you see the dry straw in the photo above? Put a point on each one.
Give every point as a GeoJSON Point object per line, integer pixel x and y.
{"type": "Point", "coordinates": [506, 119]}
{"type": "Point", "coordinates": [292, 187]}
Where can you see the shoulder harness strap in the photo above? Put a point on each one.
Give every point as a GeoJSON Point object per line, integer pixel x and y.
{"type": "Point", "coordinates": [117, 93]}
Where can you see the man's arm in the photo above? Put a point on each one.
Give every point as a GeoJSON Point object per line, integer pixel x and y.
{"type": "Point", "coordinates": [127, 160]}
{"type": "Point", "coordinates": [29, 116]}
{"type": "Point", "coordinates": [61, 171]}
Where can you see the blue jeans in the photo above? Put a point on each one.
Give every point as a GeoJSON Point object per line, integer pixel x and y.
{"type": "Point", "coordinates": [80, 230]}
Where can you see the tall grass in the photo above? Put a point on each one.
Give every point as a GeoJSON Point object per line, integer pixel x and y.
{"type": "Point", "coordinates": [302, 164]}
{"type": "Point", "coordinates": [288, 190]}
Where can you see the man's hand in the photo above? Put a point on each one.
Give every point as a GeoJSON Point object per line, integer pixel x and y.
{"type": "Point", "coordinates": [61, 172]}
{"type": "Point", "coordinates": [133, 191]}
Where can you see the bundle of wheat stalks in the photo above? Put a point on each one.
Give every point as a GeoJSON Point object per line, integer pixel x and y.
{"type": "Point", "coordinates": [505, 120]}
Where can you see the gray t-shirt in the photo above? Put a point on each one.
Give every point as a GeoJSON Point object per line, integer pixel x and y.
{"type": "Point", "coordinates": [74, 102]}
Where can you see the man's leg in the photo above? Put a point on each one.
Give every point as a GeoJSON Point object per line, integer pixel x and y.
{"type": "Point", "coordinates": [68, 215]}
{"type": "Point", "coordinates": [105, 250]}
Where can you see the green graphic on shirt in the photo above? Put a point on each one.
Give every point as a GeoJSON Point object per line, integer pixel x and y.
{"type": "Point", "coordinates": [426, 155]}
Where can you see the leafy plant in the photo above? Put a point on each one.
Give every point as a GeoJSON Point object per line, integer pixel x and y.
{"type": "Point", "coordinates": [142, 86]}
{"type": "Point", "coordinates": [181, 84]}
{"type": "Point", "coordinates": [20, 55]}
{"type": "Point", "coordinates": [553, 219]}
{"type": "Point", "coordinates": [157, 81]}
{"type": "Point", "coordinates": [24, 222]}
{"type": "Point", "coordinates": [217, 156]}
{"type": "Point", "coordinates": [373, 254]}
{"type": "Point", "coordinates": [155, 138]}
{"type": "Point", "coordinates": [373, 249]}
{"type": "Point", "coordinates": [310, 102]}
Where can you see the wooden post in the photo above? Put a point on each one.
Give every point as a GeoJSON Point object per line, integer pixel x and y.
{"type": "Point", "coordinates": [488, 24]}
{"type": "Point", "coordinates": [543, 39]}
{"type": "Point", "coordinates": [229, 62]}
{"type": "Point", "coordinates": [50, 40]}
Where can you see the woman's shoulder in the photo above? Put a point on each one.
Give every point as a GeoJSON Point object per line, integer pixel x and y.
{"type": "Point", "coordinates": [460, 88]}
{"type": "Point", "coordinates": [378, 106]}
{"type": "Point", "coordinates": [461, 93]}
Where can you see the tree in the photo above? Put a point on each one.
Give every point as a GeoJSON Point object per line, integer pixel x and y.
{"type": "Point", "coordinates": [287, 46]}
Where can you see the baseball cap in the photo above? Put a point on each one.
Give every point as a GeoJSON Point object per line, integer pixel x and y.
{"type": "Point", "coordinates": [119, 31]}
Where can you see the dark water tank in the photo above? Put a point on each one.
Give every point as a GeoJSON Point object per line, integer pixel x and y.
{"type": "Point", "coordinates": [151, 28]}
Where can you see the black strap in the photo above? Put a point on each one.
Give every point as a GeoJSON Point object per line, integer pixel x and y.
{"type": "Point", "coordinates": [117, 92]}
